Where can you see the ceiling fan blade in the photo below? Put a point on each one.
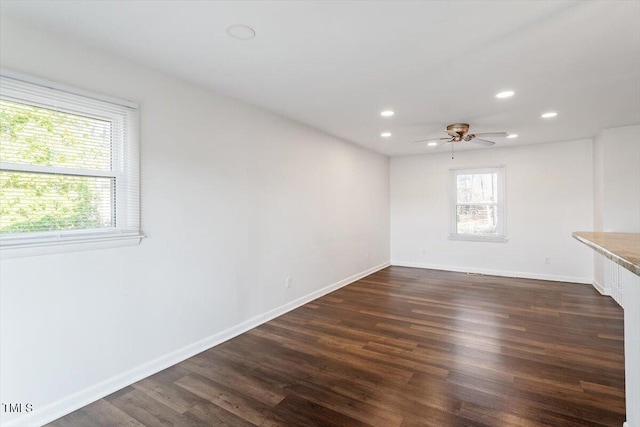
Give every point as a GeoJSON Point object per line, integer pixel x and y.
{"type": "Point", "coordinates": [440, 145]}
{"type": "Point", "coordinates": [430, 140]}
{"type": "Point", "coordinates": [491, 134]}
{"type": "Point", "coordinates": [482, 142]}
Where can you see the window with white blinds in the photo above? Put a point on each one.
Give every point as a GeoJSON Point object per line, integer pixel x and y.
{"type": "Point", "coordinates": [478, 204]}
{"type": "Point", "coordinates": [69, 165]}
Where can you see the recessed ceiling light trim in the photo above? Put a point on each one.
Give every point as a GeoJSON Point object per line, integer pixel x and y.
{"type": "Point", "coordinates": [512, 135]}
{"type": "Point", "coordinates": [385, 134]}
{"type": "Point", "coordinates": [549, 115]}
{"type": "Point", "coordinates": [387, 113]}
{"type": "Point", "coordinates": [432, 144]}
{"type": "Point", "coordinates": [505, 94]}
{"type": "Point", "coordinates": [241, 32]}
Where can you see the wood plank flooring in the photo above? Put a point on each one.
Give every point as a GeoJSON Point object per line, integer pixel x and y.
{"type": "Point", "coordinates": [401, 347]}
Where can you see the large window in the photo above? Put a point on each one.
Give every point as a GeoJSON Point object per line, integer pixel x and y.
{"type": "Point", "coordinates": [477, 204]}
{"type": "Point", "coordinates": [68, 165]}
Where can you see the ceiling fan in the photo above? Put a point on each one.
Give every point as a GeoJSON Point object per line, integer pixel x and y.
{"type": "Point", "coordinates": [459, 132]}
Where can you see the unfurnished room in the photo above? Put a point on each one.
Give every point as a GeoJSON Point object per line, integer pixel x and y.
{"type": "Point", "coordinates": [319, 213]}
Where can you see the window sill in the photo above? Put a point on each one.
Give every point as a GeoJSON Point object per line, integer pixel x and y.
{"type": "Point", "coordinates": [25, 248]}
{"type": "Point", "coordinates": [489, 239]}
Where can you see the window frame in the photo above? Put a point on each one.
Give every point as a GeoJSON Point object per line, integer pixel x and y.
{"type": "Point", "coordinates": [501, 235]}
{"type": "Point", "coordinates": [124, 118]}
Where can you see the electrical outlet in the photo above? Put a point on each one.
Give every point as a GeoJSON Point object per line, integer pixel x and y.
{"type": "Point", "coordinates": [424, 252]}
{"type": "Point", "coordinates": [288, 282]}
{"type": "Point", "coordinates": [547, 260]}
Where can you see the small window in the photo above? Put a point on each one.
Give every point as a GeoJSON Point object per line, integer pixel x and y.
{"type": "Point", "coordinates": [477, 204]}
{"type": "Point", "coordinates": [68, 166]}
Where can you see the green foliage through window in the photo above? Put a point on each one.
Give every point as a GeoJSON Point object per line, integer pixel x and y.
{"type": "Point", "coordinates": [51, 201]}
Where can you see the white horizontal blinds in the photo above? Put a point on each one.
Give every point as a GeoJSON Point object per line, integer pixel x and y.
{"type": "Point", "coordinates": [68, 162]}
{"type": "Point", "coordinates": [126, 161]}
{"type": "Point", "coordinates": [42, 136]}
{"type": "Point", "coordinates": [35, 202]}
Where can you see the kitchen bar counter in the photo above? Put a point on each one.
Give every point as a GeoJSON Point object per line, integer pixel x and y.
{"type": "Point", "coordinates": [621, 248]}
{"type": "Point", "coordinates": [624, 250]}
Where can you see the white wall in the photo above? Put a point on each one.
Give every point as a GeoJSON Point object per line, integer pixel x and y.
{"type": "Point", "coordinates": [621, 179]}
{"type": "Point", "coordinates": [616, 163]}
{"type": "Point", "coordinates": [234, 200]}
{"type": "Point", "coordinates": [598, 196]}
{"type": "Point", "coordinates": [549, 194]}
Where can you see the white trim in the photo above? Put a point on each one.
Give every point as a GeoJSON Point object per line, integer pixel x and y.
{"type": "Point", "coordinates": [53, 170]}
{"type": "Point", "coordinates": [491, 272]}
{"type": "Point", "coordinates": [470, 238]}
{"type": "Point", "coordinates": [70, 403]}
{"type": "Point", "coordinates": [26, 78]}
{"type": "Point", "coordinates": [64, 237]}
{"type": "Point", "coordinates": [71, 245]}
{"type": "Point", "coordinates": [599, 287]}
{"type": "Point", "coordinates": [474, 169]}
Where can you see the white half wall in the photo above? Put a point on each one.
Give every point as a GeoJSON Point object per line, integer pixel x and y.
{"type": "Point", "coordinates": [234, 200]}
{"type": "Point", "coordinates": [549, 194]}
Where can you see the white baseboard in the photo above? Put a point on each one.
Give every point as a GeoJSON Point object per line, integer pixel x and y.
{"type": "Point", "coordinates": [600, 288]}
{"type": "Point", "coordinates": [489, 272]}
{"type": "Point", "coordinates": [84, 397]}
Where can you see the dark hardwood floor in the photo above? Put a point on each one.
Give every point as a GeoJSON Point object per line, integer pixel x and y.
{"type": "Point", "coordinates": [401, 347]}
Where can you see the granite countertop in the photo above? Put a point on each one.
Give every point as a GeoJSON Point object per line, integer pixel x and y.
{"type": "Point", "coordinates": [621, 248]}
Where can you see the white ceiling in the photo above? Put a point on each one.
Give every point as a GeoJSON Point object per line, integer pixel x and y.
{"type": "Point", "coordinates": [335, 65]}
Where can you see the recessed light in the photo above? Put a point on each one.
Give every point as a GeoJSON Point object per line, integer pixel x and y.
{"type": "Point", "coordinates": [549, 115]}
{"type": "Point", "coordinates": [512, 135]}
{"type": "Point", "coordinates": [241, 32]}
{"type": "Point", "coordinates": [385, 134]}
{"type": "Point", "coordinates": [432, 144]}
{"type": "Point", "coordinates": [505, 94]}
{"type": "Point", "coordinates": [387, 113]}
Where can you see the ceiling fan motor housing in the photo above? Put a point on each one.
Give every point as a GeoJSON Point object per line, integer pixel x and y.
{"type": "Point", "coordinates": [457, 131]}
{"type": "Point", "coordinates": [459, 128]}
